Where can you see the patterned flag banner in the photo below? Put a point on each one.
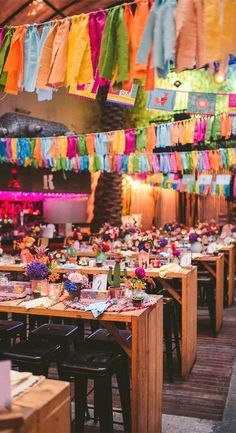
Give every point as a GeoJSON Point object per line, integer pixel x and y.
{"type": "Point", "coordinates": [161, 99]}
{"type": "Point", "coordinates": [123, 97]}
{"type": "Point", "coordinates": [204, 103]}
{"type": "Point", "coordinates": [88, 91]}
{"type": "Point", "coordinates": [232, 103]}
{"type": "Point", "coordinates": [205, 179]}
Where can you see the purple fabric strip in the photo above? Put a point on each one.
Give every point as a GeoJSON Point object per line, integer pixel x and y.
{"type": "Point", "coordinates": [97, 22]}
{"type": "Point", "coordinates": [130, 141]}
{"type": "Point", "coordinates": [71, 147]}
{"type": "Point", "coordinates": [2, 34]}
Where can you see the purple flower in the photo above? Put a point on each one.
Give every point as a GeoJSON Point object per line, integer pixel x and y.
{"type": "Point", "coordinates": [233, 230]}
{"type": "Point", "coordinates": [176, 252]}
{"type": "Point", "coordinates": [193, 237]}
{"type": "Point", "coordinates": [140, 273]}
{"type": "Point", "coordinates": [163, 242]}
{"type": "Point", "coordinates": [37, 270]}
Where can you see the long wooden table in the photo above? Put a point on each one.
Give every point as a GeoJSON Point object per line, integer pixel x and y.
{"type": "Point", "coordinates": [146, 355]}
{"type": "Point", "coordinates": [215, 266]}
{"type": "Point", "coordinates": [187, 298]}
{"type": "Point", "coordinates": [45, 408]}
{"type": "Point", "coordinates": [229, 256]}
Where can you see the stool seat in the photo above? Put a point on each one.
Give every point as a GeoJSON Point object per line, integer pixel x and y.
{"type": "Point", "coordinates": [101, 339]}
{"type": "Point", "coordinates": [91, 362]}
{"type": "Point", "coordinates": [10, 327]}
{"type": "Point", "coordinates": [54, 332]}
{"type": "Point", "coordinates": [30, 351]}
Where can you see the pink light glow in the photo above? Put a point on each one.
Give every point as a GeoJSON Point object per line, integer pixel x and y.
{"type": "Point", "coordinates": [39, 196]}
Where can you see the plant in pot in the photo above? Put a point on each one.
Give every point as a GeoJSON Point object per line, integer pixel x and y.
{"type": "Point", "coordinates": [100, 249]}
{"type": "Point", "coordinates": [139, 285]}
{"type": "Point", "coordinates": [115, 280]}
{"type": "Point", "coordinates": [38, 273]}
{"type": "Point", "coordinates": [74, 283]}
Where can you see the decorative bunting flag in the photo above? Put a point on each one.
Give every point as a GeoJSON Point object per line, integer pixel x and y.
{"type": "Point", "coordinates": [160, 99]}
{"type": "Point", "coordinates": [232, 103]}
{"type": "Point", "coordinates": [203, 103]}
{"type": "Point", "coordinates": [88, 91]}
{"type": "Point", "coordinates": [123, 97]}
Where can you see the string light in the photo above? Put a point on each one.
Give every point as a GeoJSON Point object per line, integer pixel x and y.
{"type": "Point", "coordinates": [40, 196]}
{"type": "Point", "coordinates": [219, 77]}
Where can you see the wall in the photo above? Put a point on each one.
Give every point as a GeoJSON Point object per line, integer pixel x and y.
{"type": "Point", "coordinates": [78, 114]}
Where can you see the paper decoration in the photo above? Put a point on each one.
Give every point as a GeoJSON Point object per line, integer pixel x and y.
{"type": "Point", "coordinates": [160, 99]}
{"type": "Point", "coordinates": [188, 179]}
{"type": "Point", "coordinates": [185, 260]}
{"type": "Point", "coordinates": [123, 97]}
{"type": "Point", "coordinates": [99, 282]}
{"type": "Point", "coordinates": [212, 248]}
{"type": "Point", "coordinates": [223, 179]}
{"type": "Point", "coordinates": [5, 388]}
{"type": "Point", "coordinates": [88, 91]}
{"type": "Point", "coordinates": [232, 103]}
{"type": "Point", "coordinates": [203, 103]}
{"type": "Point", "coordinates": [205, 179]}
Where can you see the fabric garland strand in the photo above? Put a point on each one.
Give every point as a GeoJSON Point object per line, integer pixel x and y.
{"type": "Point", "coordinates": [119, 45]}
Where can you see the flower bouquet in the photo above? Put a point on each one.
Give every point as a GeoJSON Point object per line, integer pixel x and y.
{"type": "Point", "coordinates": [109, 233]}
{"type": "Point", "coordinates": [38, 273]}
{"type": "Point", "coordinates": [100, 248]}
{"type": "Point", "coordinates": [24, 246]}
{"type": "Point", "coordinates": [138, 286]}
{"type": "Point", "coordinates": [74, 283]}
{"type": "Point", "coordinates": [195, 241]}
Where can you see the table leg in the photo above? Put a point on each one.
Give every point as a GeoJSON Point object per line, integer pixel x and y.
{"type": "Point", "coordinates": [219, 292]}
{"type": "Point", "coordinates": [231, 277]}
{"type": "Point", "coordinates": [189, 322]}
{"type": "Point", "coordinates": [147, 371]}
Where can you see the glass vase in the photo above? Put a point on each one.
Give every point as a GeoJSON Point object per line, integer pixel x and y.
{"type": "Point", "coordinates": [55, 291]}
{"type": "Point", "coordinates": [39, 288]}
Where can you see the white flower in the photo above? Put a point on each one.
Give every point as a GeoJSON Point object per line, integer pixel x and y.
{"type": "Point", "coordinates": [76, 277]}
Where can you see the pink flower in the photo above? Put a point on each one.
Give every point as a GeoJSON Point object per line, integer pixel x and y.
{"type": "Point", "coordinates": [140, 273]}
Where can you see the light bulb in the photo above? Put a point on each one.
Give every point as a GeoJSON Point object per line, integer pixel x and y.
{"type": "Point", "coordinates": [219, 77]}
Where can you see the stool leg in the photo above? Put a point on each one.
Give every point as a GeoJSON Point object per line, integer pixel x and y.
{"type": "Point", "coordinates": [81, 383]}
{"type": "Point", "coordinates": [123, 381]}
{"type": "Point", "coordinates": [176, 335]}
{"type": "Point", "coordinates": [210, 297]}
{"type": "Point", "coordinates": [104, 403]}
{"type": "Point", "coordinates": [168, 342]}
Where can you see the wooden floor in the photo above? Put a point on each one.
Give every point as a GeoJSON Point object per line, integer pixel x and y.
{"type": "Point", "coordinates": [204, 394]}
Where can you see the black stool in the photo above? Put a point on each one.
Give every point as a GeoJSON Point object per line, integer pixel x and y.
{"type": "Point", "coordinates": [171, 327]}
{"type": "Point", "coordinates": [98, 366]}
{"type": "Point", "coordinates": [9, 329]}
{"type": "Point", "coordinates": [32, 356]}
{"type": "Point", "coordinates": [63, 335]}
{"type": "Point", "coordinates": [206, 289]}
{"type": "Point", "coordinates": [102, 339]}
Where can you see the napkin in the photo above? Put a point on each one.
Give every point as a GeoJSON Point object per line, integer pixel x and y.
{"type": "Point", "coordinates": [196, 255]}
{"type": "Point", "coordinates": [97, 308]}
{"type": "Point", "coordinates": [39, 302]}
{"type": "Point", "coordinates": [171, 267]}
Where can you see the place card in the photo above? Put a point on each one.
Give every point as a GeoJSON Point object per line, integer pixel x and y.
{"type": "Point", "coordinates": [5, 388]}
{"type": "Point", "coordinates": [99, 282]}
{"type": "Point", "coordinates": [186, 260]}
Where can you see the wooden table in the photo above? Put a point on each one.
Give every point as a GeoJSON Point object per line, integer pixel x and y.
{"type": "Point", "coordinates": [215, 266]}
{"type": "Point", "coordinates": [187, 299]}
{"type": "Point", "coordinates": [146, 356]}
{"type": "Point", "coordinates": [229, 255]}
{"type": "Point", "coordinates": [45, 408]}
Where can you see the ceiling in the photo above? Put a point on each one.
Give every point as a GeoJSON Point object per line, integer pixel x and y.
{"type": "Point", "coordinates": [16, 12]}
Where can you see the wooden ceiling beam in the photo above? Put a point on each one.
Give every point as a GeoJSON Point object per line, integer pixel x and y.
{"type": "Point", "coordinates": [57, 11]}
{"type": "Point", "coordinates": [16, 12]}
{"type": "Point", "coordinates": [61, 10]}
